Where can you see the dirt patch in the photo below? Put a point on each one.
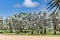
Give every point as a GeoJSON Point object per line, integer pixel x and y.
{"type": "Point", "coordinates": [7, 37]}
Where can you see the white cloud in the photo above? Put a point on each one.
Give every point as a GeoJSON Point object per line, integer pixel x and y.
{"type": "Point", "coordinates": [29, 3]}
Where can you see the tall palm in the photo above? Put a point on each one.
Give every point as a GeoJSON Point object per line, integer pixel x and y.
{"type": "Point", "coordinates": [52, 4]}
{"type": "Point", "coordinates": [9, 23]}
{"type": "Point", "coordinates": [1, 23]}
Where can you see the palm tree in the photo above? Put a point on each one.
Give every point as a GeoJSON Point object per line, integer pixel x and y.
{"type": "Point", "coordinates": [1, 23]}
{"type": "Point", "coordinates": [20, 19]}
{"type": "Point", "coordinates": [16, 23]}
{"type": "Point", "coordinates": [31, 21]}
{"type": "Point", "coordinates": [9, 23]}
{"type": "Point", "coordinates": [52, 4]}
{"type": "Point", "coordinates": [55, 22]}
{"type": "Point", "coordinates": [42, 22]}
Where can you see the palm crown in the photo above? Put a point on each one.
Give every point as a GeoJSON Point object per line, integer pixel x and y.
{"type": "Point", "coordinates": [54, 3]}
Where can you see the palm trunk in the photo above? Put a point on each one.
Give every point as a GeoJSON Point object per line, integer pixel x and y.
{"type": "Point", "coordinates": [21, 29]}
{"type": "Point", "coordinates": [11, 30]}
{"type": "Point", "coordinates": [54, 29]}
{"type": "Point", "coordinates": [17, 31]}
{"type": "Point", "coordinates": [37, 31]}
{"type": "Point", "coordinates": [45, 30]}
{"type": "Point", "coordinates": [24, 31]}
{"type": "Point", "coordinates": [31, 31]}
{"type": "Point", "coordinates": [41, 31]}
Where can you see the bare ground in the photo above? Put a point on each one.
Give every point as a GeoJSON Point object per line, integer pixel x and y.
{"type": "Point", "coordinates": [11, 37]}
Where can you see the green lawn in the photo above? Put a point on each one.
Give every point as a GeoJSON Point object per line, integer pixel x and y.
{"type": "Point", "coordinates": [7, 32]}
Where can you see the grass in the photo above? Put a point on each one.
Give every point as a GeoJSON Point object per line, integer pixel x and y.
{"type": "Point", "coordinates": [14, 34]}
{"type": "Point", "coordinates": [7, 32]}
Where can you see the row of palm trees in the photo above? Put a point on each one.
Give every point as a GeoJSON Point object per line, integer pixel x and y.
{"type": "Point", "coordinates": [32, 22]}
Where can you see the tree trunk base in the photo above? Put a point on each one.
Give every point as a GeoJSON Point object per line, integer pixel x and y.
{"type": "Point", "coordinates": [45, 31]}
{"type": "Point", "coordinates": [37, 31]}
{"type": "Point", "coordinates": [31, 32]}
{"type": "Point", "coordinates": [41, 32]}
{"type": "Point", "coordinates": [11, 31]}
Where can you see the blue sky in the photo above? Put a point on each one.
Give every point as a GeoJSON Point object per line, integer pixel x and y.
{"type": "Point", "coordinates": [9, 7]}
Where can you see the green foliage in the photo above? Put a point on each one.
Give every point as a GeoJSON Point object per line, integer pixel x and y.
{"type": "Point", "coordinates": [29, 23]}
